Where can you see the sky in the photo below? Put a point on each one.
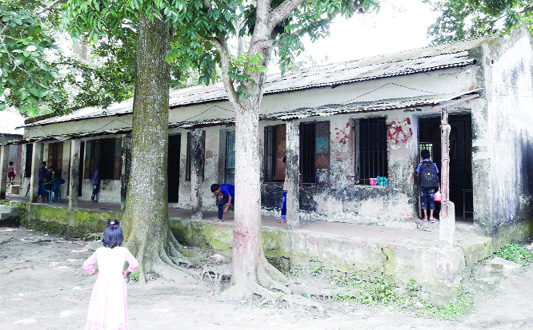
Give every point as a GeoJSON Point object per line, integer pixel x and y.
{"type": "Point", "coordinates": [399, 25]}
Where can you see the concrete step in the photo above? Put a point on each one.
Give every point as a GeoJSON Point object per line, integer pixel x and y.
{"type": "Point", "coordinates": [8, 211]}
{"type": "Point", "coordinates": [488, 274]}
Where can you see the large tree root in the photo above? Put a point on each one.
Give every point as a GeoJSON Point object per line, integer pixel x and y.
{"type": "Point", "coordinates": [272, 287]}
{"type": "Point", "coordinates": [167, 263]}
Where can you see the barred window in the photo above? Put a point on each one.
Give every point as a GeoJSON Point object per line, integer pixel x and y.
{"type": "Point", "coordinates": [370, 149]}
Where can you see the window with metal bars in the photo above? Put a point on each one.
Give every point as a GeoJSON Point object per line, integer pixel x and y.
{"type": "Point", "coordinates": [371, 149]}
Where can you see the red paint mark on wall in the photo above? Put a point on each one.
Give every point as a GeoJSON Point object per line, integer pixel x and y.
{"type": "Point", "coordinates": [343, 135]}
{"type": "Point", "coordinates": [400, 133]}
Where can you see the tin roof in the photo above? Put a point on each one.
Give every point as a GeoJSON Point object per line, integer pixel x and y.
{"type": "Point", "coordinates": [389, 65]}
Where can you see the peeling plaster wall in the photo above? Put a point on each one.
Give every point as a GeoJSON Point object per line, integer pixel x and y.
{"type": "Point", "coordinates": [343, 200]}
{"type": "Point", "coordinates": [213, 159]}
{"type": "Point", "coordinates": [507, 64]}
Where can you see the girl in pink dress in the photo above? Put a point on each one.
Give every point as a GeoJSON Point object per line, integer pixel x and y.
{"type": "Point", "coordinates": [107, 309]}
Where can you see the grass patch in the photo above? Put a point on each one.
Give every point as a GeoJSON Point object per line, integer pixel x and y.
{"type": "Point", "coordinates": [515, 253]}
{"type": "Point", "coordinates": [382, 293]}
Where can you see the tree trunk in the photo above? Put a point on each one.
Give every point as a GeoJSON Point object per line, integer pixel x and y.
{"type": "Point", "coordinates": [146, 223]}
{"type": "Point", "coordinates": [247, 246]}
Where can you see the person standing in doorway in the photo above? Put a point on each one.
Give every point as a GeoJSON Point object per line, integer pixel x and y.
{"type": "Point", "coordinates": [95, 181]}
{"type": "Point", "coordinates": [428, 179]}
{"type": "Point", "coordinates": [228, 192]}
{"type": "Point", "coordinates": [11, 175]}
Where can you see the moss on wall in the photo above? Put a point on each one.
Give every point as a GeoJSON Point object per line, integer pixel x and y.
{"type": "Point", "coordinates": [59, 220]}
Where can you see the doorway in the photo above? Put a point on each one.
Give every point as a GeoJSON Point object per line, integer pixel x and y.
{"type": "Point", "coordinates": [460, 158]}
{"type": "Point", "coordinates": [174, 149]}
{"type": "Point", "coordinates": [229, 168]}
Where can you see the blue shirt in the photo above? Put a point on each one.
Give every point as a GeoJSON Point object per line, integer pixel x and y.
{"type": "Point", "coordinates": [227, 190]}
{"type": "Point", "coordinates": [426, 160]}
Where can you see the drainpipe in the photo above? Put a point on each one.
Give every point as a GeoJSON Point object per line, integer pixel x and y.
{"type": "Point", "coordinates": [447, 213]}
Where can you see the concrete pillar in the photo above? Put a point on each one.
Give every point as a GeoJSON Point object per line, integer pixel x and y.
{"type": "Point", "coordinates": [74, 182]}
{"type": "Point", "coordinates": [3, 170]}
{"type": "Point", "coordinates": [35, 165]}
{"type": "Point", "coordinates": [447, 213]}
{"type": "Point", "coordinates": [293, 174]}
{"type": "Point", "coordinates": [126, 168]}
{"type": "Point", "coordinates": [197, 156]}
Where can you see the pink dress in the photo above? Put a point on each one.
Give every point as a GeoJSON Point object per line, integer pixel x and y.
{"type": "Point", "coordinates": [107, 310]}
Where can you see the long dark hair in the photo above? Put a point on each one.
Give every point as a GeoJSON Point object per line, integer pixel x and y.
{"type": "Point", "coordinates": [113, 235]}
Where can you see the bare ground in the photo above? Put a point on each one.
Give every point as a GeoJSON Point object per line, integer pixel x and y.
{"type": "Point", "coordinates": [42, 286]}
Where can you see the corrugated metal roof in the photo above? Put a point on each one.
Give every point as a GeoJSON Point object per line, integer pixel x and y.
{"type": "Point", "coordinates": [396, 64]}
{"type": "Point", "coordinates": [325, 110]}
{"type": "Point", "coordinates": [334, 109]}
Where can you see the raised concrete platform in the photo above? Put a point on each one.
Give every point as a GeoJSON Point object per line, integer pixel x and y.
{"type": "Point", "coordinates": [368, 252]}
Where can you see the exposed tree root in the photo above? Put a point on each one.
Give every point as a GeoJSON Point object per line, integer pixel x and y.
{"type": "Point", "coordinates": [272, 287]}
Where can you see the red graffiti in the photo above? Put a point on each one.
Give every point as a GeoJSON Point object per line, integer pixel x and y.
{"type": "Point", "coordinates": [399, 133]}
{"type": "Point", "coordinates": [343, 135]}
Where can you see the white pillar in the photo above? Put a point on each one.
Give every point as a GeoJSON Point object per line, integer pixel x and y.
{"type": "Point", "coordinates": [293, 173]}
{"type": "Point", "coordinates": [3, 170]}
{"type": "Point", "coordinates": [35, 165]}
{"type": "Point", "coordinates": [197, 156]}
{"type": "Point", "coordinates": [447, 213]}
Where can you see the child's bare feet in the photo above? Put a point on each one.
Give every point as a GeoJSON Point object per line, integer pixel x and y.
{"type": "Point", "coordinates": [217, 220]}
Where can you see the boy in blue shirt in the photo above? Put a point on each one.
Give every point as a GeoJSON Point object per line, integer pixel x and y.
{"type": "Point", "coordinates": [228, 191]}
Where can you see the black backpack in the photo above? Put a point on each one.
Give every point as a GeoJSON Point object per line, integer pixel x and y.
{"type": "Point", "coordinates": [428, 175]}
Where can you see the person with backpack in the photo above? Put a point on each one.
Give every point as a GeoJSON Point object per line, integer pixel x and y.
{"type": "Point", "coordinates": [428, 180]}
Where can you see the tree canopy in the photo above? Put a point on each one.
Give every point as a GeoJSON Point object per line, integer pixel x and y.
{"type": "Point", "coordinates": [463, 19]}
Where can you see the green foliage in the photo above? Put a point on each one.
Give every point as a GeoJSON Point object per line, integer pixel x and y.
{"type": "Point", "coordinates": [515, 253]}
{"type": "Point", "coordinates": [413, 286]}
{"type": "Point", "coordinates": [452, 311]}
{"type": "Point", "coordinates": [462, 19]}
{"type": "Point", "coordinates": [317, 270]}
{"type": "Point", "coordinates": [134, 276]}
{"type": "Point", "coordinates": [27, 78]}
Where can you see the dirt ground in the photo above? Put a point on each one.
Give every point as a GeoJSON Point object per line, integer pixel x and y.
{"type": "Point", "coordinates": [42, 286]}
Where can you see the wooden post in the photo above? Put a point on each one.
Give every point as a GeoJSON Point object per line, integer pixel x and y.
{"type": "Point", "coordinates": [447, 212]}
{"type": "Point", "coordinates": [293, 173]}
{"type": "Point", "coordinates": [197, 156]}
{"type": "Point", "coordinates": [35, 165]}
{"type": "Point", "coordinates": [3, 170]}
{"type": "Point", "coordinates": [126, 168]}
{"type": "Point", "coordinates": [75, 146]}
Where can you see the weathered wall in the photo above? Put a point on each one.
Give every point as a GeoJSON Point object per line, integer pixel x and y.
{"type": "Point", "coordinates": [342, 199]}
{"type": "Point", "coordinates": [60, 220]}
{"type": "Point", "coordinates": [504, 138]}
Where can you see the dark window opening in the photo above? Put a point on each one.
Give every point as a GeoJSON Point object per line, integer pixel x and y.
{"type": "Point", "coordinates": [55, 157]}
{"type": "Point", "coordinates": [307, 152]}
{"type": "Point", "coordinates": [371, 149]}
{"type": "Point", "coordinates": [314, 152]}
{"type": "Point", "coordinates": [275, 151]}
{"type": "Point", "coordinates": [29, 158]}
{"type": "Point", "coordinates": [229, 168]}
{"type": "Point", "coordinates": [104, 155]}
